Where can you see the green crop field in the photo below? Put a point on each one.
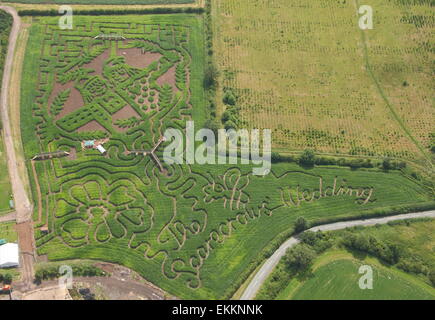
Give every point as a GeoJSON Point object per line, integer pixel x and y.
{"type": "Point", "coordinates": [305, 70]}
{"type": "Point", "coordinates": [339, 278]}
{"type": "Point", "coordinates": [118, 2]}
{"type": "Point", "coordinates": [193, 230]}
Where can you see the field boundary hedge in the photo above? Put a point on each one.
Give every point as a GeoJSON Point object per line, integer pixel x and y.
{"type": "Point", "coordinates": [108, 12]}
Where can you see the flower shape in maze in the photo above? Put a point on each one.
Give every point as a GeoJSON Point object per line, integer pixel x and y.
{"type": "Point", "coordinates": [95, 213]}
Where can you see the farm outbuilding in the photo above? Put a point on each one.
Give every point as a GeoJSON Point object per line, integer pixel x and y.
{"type": "Point", "coordinates": [89, 143]}
{"type": "Point", "coordinates": [9, 256]}
{"type": "Point", "coordinates": [101, 149]}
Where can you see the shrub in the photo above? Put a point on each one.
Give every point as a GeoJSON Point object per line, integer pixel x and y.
{"type": "Point", "coordinates": [386, 164]}
{"type": "Point", "coordinates": [212, 125]}
{"type": "Point", "coordinates": [301, 224]}
{"type": "Point", "coordinates": [6, 278]}
{"type": "Point", "coordinates": [229, 98]}
{"type": "Point", "coordinates": [210, 76]}
{"type": "Point", "coordinates": [307, 158]}
{"type": "Point", "coordinates": [432, 277]}
{"type": "Point", "coordinates": [299, 258]}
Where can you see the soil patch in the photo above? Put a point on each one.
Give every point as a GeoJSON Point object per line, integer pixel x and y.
{"type": "Point", "coordinates": [169, 78]}
{"type": "Point", "coordinates": [125, 113]}
{"type": "Point", "coordinates": [135, 58]}
{"type": "Point", "coordinates": [25, 233]}
{"type": "Point", "coordinates": [92, 126]}
{"type": "Point", "coordinates": [72, 154]}
{"type": "Point", "coordinates": [98, 63]}
{"type": "Point", "coordinates": [74, 102]}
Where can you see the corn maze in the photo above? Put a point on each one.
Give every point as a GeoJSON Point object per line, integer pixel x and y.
{"type": "Point", "coordinates": [190, 229]}
{"type": "Point", "coordinates": [298, 68]}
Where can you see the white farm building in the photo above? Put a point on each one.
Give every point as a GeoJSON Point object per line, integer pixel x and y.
{"type": "Point", "coordinates": [9, 256]}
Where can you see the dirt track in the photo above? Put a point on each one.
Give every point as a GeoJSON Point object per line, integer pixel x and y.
{"type": "Point", "coordinates": [9, 217]}
{"type": "Point", "coordinates": [270, 264]}
{"type": "Point", "coordinates": [23, 207]}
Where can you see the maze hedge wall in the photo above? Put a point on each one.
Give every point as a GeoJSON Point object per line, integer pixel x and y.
{"type": "Point", "coordinates": [192, 230]}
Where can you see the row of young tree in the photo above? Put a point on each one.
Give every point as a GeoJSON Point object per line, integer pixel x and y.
{"type": "Point", "coordinates": [78, 270]}
{"type": "Point", "coordinates": [308, 158]}
{"type": "Point", "coordinates": [105, 12]}
{"type": "Point", "coordinates": [5, 29]}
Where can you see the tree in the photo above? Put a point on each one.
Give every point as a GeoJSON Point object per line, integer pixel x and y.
{"type": "Point", "coordinates": [229, 98]}
{"type": "Point", "coordinates": [7, 278]}
{"type": "Point", "coordinates": [301, 224]}
{"type": "Point", "coordinates": [432, 277]}
{"type": "Point", "coordinates": [210, 76]}
{"type": "Point", "coordinates": [212, 125]}
{"type": "Point", "coordinates": [307, 158]}
{"type": "Point", "coordinates": [386, 164]}
{"type": "Point", "coordinates": [299, 257]}
{"type": "Point", "coordinates": [230, 125]}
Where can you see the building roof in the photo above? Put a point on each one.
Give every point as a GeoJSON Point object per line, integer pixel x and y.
{"type": "Point", "coordinates": [101, 149]}
{"type": "Point", "coordinates": [9, 256]}
{"type": "Point", "coordinates": [89, 143]}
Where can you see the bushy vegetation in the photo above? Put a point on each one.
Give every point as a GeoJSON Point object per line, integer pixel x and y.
{"type": "Point", "coordinates": [6, 278]}
{"type": "Point", "coordinates": [309, 158]}
{"type": "Point", "coordinates": [392, 252]}
{"type": "Point", "coordinates": [5, 28]}
{"type": "Point", "coordinates": [79, 269]}
{"type": "Point", "coordinates": [301, 224]}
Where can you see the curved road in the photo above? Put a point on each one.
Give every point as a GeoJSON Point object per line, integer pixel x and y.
{"type": "Point", "coordinates": [270, 264]}
{"type": "Point", "coordinates": [23, 206]}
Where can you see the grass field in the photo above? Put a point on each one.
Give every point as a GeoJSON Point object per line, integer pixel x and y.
{"type": "Point", "coordinates": [334, 273]}
{"type": "Point", "coordinates": [306, 71]}
{"type": "Point", "coordinates": [193, 230]}
{"type": "Point", "coordinates": [5, 185]}
{"type": "Point", "coordinates": [7, 231]}
{"type": "Point", "coordinates": [336, 278]}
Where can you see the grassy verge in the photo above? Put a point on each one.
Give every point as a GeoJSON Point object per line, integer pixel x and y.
{"type": "Point", "coordinates": [7, 232]}
{"type": "Point", "coordinates": [5, 185]}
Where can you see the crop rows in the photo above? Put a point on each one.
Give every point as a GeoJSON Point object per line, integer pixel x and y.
{"type": "Point", "coordinates": [298, 68]}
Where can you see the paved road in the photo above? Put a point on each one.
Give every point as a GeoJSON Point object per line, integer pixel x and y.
{"type": "Point", "coordinates": [271, 263]}
{"type": "Point", "coordinates": [23, 205]}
